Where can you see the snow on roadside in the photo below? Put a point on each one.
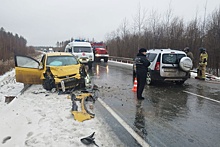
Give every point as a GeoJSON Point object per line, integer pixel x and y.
{"type": "Point", "coordinates": [193, 73]}
{"type": "Point", "coordinates": [41, 118]}
{"type": "Point", "coordinates": [8, 87]}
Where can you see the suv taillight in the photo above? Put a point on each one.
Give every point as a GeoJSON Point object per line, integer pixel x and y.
{"type": "Point", "coordinates": [157, 66]}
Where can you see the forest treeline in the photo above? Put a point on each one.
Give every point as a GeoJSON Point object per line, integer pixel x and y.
{"type": "Point", "coordinates": [148, 30]}
{"type": "Point", "coordinates": [10, 45]}
{"type": "Point", "coordinates": [152, 31]}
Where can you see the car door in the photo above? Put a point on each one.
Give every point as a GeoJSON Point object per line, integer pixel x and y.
{"type": "Point", "coordinates": [170, 65]}
{"type": "Point", "coordinates": [27, 70]}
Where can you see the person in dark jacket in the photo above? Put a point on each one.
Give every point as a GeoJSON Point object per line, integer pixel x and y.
{"type": "Point", "coordinates": [188, 53]}
{"type": "Point", "coordinates": [142, 65]}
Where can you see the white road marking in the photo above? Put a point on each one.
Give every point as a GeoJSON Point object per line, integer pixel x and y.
{"type": "Point", "coordinates": [141, 141]}
{"type": "Point", "coordinates": [202, 96]}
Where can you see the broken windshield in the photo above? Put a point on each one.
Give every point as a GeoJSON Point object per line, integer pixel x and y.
{"type": "Point", "coordinates": [61, 60]}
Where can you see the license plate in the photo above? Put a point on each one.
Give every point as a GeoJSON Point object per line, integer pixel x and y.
{"type": "Point", "coordinates": [169, 70]}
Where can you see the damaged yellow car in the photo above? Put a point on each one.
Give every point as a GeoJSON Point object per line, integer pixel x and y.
{"type": "Point", "coordinates": [58, 70]}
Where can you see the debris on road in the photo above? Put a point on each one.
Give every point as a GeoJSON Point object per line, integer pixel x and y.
{"type": "Point", "coordinates": [6, 139]}
{"type": "Point", "coordinates": [84, 97]}
{"type": "Point", "coordinates": [89, 140]}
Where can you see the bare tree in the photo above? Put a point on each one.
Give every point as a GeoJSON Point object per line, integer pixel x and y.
{"type": "Point", "coordinates": [139, 22]}
{"type": "Point", "coordinates": [203, 25]}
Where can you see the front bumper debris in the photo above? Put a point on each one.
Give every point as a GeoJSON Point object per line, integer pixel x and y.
{"type": "Point", "coordinates": [67, 84]}
{"type": "Point", "coordinates": [84, 114]}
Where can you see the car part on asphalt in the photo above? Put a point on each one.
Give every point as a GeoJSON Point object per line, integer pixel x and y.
{"type": "Point", "coordinates": [89, 140]}
{"type": "Point", "coordinates": [6, 139]}
{"type": "Point", "coordinates": [84, 114]}
{"type": "Point", "coordinates": [8, 99]}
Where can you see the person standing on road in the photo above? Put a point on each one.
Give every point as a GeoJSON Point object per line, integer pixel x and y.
{"type": "Point", "coordinates": [188, 53]}
{"type": "Point", "coordinates": [142, 65]}
{"type": "Point", "coordinates": [201, 70]}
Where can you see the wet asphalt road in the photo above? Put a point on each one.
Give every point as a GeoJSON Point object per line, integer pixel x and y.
{"type": "Point", "coordinates": [170, 115]}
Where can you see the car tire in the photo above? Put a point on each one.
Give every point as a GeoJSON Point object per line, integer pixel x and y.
{"type": "Point", "coordinates": [185, 64]}
{"type": "Point", "coordinates": [48, 84]}
{"type": "Point", "coordinates": [149, 80]}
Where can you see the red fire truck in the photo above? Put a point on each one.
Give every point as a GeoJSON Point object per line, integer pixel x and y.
{"type": "Point", "coordinates": [100, 52]}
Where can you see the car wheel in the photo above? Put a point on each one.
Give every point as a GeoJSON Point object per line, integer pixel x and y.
{"type": "Point", "coordinates": [49, 84]}
{"type": "Point", "coordinates": [149, 79]}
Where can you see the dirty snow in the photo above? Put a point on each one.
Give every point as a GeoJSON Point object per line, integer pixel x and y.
{"type": "Point", "coordinates": [8, 87]}
{"type": "Point", "coordinates": [39, 118]}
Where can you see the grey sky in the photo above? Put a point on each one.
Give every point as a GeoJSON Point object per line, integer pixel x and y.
{"type": "Point", "coordinates": [44, 22]}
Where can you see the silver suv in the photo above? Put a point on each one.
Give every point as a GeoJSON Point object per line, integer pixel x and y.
{"type": "Point", "coordinates": [167, 65]}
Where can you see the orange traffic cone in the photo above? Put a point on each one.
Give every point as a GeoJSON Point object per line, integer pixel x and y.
{"type": "Point", "coordinates": [135, 85]}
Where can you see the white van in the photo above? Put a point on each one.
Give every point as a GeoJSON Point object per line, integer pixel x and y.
{"type": "Point", "coordinates": [82, 50]}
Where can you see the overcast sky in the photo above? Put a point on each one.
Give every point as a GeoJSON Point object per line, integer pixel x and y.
{"type": "Point", "coordinates": [44, 22]}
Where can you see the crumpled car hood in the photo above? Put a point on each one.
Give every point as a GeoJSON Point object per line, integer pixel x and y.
{"type": "Point", "coordinates": [60, 71]}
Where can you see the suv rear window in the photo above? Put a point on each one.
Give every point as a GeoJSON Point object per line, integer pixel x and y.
{"type": "Point", "coordinates": [151, 56]}
{"type": "Point", "coordinates": [172, 58]}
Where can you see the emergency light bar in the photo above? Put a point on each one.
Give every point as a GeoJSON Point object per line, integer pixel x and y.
{"type": "Point", "coordinates": [79, 40]}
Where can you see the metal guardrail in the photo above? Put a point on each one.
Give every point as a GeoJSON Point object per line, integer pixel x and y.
{"type": "Point", "coordinates": [121, 59]}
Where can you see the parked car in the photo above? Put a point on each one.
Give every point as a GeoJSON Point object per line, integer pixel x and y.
{"type": "Point", "coordinates": [55, 70]}
{"type": "Point", "coordinates": [167, 65]}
